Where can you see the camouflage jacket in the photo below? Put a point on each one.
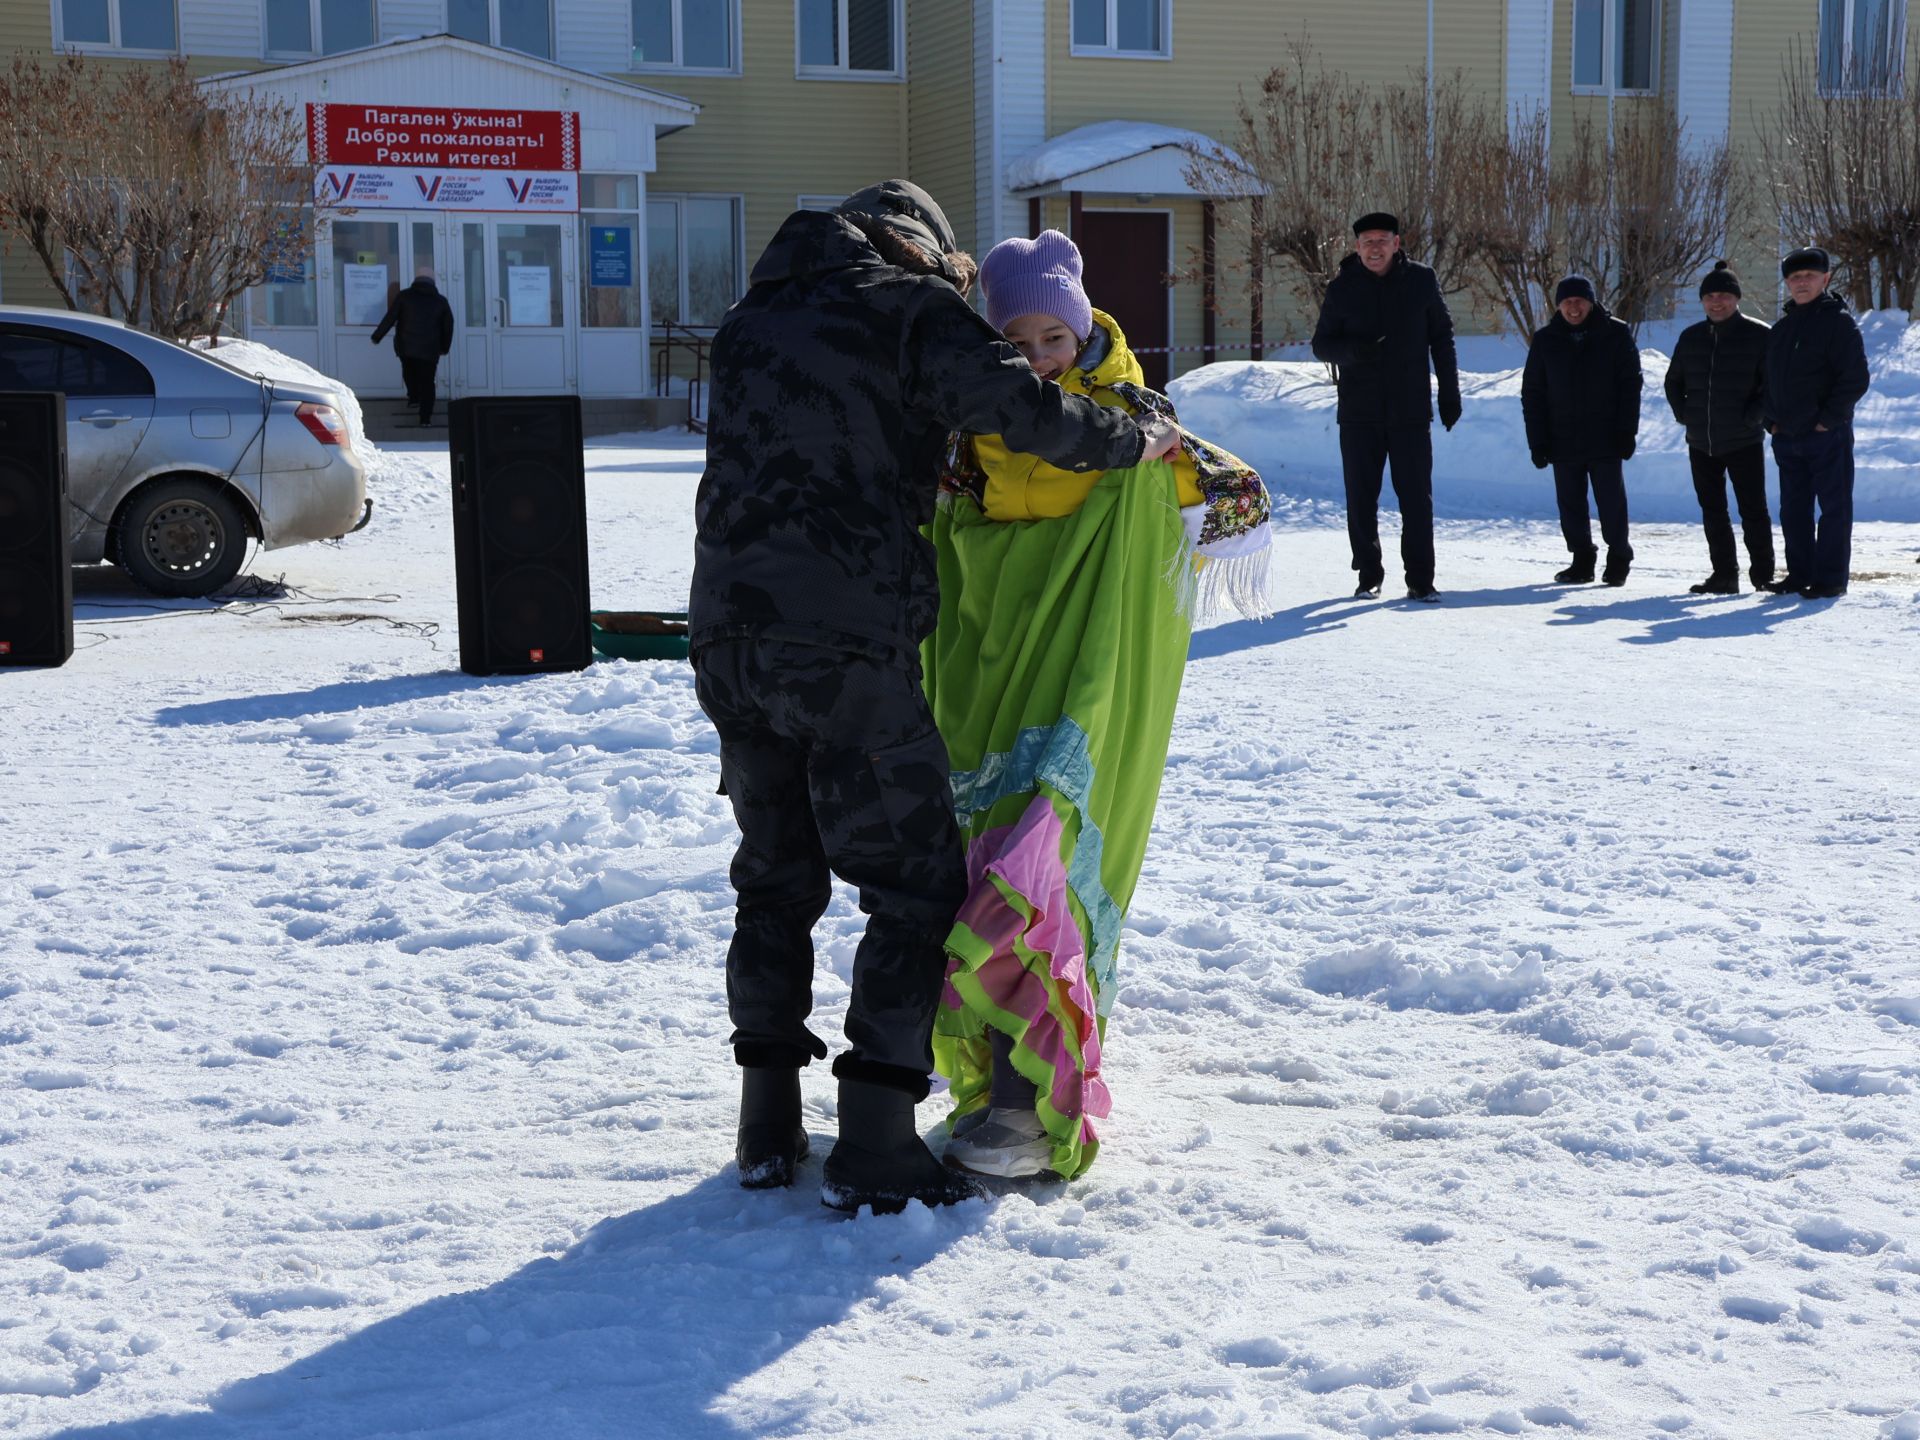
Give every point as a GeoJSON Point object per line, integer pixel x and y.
{"type": "Point", "coordinates": [836, 381]}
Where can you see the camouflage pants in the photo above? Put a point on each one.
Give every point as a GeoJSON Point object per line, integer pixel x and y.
{"type": "Point", "coordinates": [834, 766]}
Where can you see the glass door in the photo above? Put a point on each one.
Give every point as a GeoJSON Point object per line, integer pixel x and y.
{"type": "Point", "coordinates": [532, 305]}
{"type": "Point", "coordinates": [371, 262]}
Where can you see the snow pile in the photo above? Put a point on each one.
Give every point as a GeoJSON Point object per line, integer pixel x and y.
{"type": "Point", "coordinates": [1279, 416]}
{"type": "Point", "coordinates": [1106, 142]}
{"type": "Point", "coordinates": [250, 357]}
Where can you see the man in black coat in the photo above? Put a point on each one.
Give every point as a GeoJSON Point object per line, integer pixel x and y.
{"type": "Point", "coordinates": [1716, 385]}
{"type": "Point", "coordinates": [1580, 397]}
{"type": "Point", "coordinates": [836, 381]}
{"type": "Point", "coordinates": [1382, 318]}
{"type": "Point", "coordinates": [1816, 374]}
{"type": "Point", "coordinates": [422, 325]}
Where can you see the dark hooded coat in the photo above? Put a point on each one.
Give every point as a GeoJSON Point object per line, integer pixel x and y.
{"type": "Point", "coordinates": [421, 321]}
{"type": "Point", "coordinates": [836, 381]}
{"type": "Point", "coordinates": [1816, 367]}
{"type": "Point", "coordinates": [1580, 392]}
{"type": "Point", "coordinates": [1381, 332]}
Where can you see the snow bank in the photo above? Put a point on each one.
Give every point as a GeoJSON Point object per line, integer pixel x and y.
{"type": "Point", "coordinates": [1279, 416]}
{"type": "Point", "coordinates": [252, 358]}
{"type": "Point", "coordinates": [1104, 143]}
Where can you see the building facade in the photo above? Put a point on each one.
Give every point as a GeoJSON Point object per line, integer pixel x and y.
{"type": "Point", "coordinates": [703, 123]}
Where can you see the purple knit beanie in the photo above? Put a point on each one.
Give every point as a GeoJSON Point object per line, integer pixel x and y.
{"type": "Point", "coordinates": [1040, 276]}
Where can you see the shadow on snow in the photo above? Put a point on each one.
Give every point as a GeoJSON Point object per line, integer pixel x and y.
{"type": "Point", "coordinates": [638, 1329]}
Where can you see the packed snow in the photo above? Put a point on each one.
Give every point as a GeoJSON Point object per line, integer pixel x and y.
{"type": "Point", "coordinates": [1519, 1030]}
{"type": "Point", "coordinates": [1107, 142]}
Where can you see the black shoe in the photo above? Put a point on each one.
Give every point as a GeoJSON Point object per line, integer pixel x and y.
{"type": "Point", "coordinates": [1617, 567]}
{"type": "Point", "coordinates": [1425, 594]}
{"type": "Point", "coordinates": [1580, 572]}
{"type": "Point", "coordinates": [880, 1161]}
{"type": "Point", "coordinates": [1785, 585]}
{"type": "Point", "coordinates": [1370, 583]}
{"type": "Point", "coordinates": [1716, 584]}
{"type": "Point", "coordinates": [1823, 592]}
{"type": "Point", "coordinates": [771, 1141]}
{"type": "Point", "coordinates": [1762, 579]}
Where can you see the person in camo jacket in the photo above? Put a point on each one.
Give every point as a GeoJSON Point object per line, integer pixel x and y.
{"type": "Point", "coordinates": [837, 379]}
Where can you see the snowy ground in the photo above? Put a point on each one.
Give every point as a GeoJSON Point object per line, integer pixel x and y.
{"type": "Point", "coordinates": [1520, 1033]}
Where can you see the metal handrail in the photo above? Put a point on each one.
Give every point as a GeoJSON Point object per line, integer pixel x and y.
{"type": "Point", "coordinates": [669, 336]}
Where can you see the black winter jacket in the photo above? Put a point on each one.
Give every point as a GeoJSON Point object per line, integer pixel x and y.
{"type": "Point", "coordinates": [1580, 392]}
{"type": "Point", "coordinates": [1816, 367]}
{"type": "Point", "coordinates": [1716, 383]}
{"type": "Point", "coordinates": [421, 321]}
{"type": "Point", "coordinates": [1378, 330]}
{"type": "Point", "coordinates": [836, 381]}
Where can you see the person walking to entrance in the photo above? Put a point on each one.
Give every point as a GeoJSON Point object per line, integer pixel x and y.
{"type": "Point", "coordinates": [837, 379]}
{"type": "Point", "coordinates": [1816, 374]}
{"type": "Point", "coordinates": [422, 326]}
{"type": "Point", "coordinates": [1717, 388]}
{"type": "Point", "coordinates": [1382, 320]}
{"type": "Point", "coordinates": [1580, 398]}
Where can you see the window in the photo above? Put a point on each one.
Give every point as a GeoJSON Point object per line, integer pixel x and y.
{"type": "Point", "coordinates": [122, 24]}
{"type": "Point", "coordinates": [1615, 45]}
{"type": "Point", "coordinates": [287, 296]}
{"type": "Point", "coordinates": [1862, 46]}
{"type": "Point", "coordinates": [610, 252]}
{"type": "Point", "coordinates": [325, 27]}
{"type": "Point", "coordinates": [684, 34]}
{"type": "Point", "coordinates": [693, 258]}
{"type": "Point", "coordinates": [42, 360]}
{"type": "Point", "coordinates": [848, 39]}
{"type": "Point", "coordinates": [1121, 27]}
{"type": "Point", "coordinates": [524, 25]}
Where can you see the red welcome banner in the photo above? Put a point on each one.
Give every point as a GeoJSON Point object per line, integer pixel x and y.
{"type": "Point", "coordinates": [443, 137]}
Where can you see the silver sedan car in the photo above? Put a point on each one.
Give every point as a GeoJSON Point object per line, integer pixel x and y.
{"type": "Point", "coordinates": [175, 459]}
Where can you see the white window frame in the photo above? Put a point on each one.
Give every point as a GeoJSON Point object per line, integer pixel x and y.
{"type": "Point", "coordinates": [493, 30]}
{"type": "Point", "coordinates": [317, 40]}
{"type": "Point", "coordinates": [113, 44]}
{"type": "Point", "coordinates": [897, 74]}
{"type": "Point", "coordinates": [1897, 80]}
{"type": "Point", "coordinates": [677, 65]}
{"type": "Point", "coordinates": [1609, 45]}
{"type": "Point", "coordinates": [679, 197]}
{"type": "Point", "coordinates": [1111, 50]}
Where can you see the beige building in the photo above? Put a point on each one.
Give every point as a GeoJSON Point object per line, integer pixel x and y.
{"type": "Point", "coordinates": [703, 123]}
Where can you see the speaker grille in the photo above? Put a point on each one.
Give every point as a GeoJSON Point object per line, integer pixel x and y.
{"type": "Point", "coordinates": [26, 506]}
{"type": "Point", "coordinates": [36, 583]}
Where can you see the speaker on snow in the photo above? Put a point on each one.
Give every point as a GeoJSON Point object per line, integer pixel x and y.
{"type": "Point", "coordinates": [36, 576]}
{"type": "Point", "coordinates": [520, 533]}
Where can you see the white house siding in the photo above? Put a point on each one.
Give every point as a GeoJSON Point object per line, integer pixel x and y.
{"type": "Point", "coordinates": [1703, 70]}
{"type": "Point", "coordinates": [401, 18]}
{"type": "Point", "coordinates": [1021, 77]}
{"type": "Point", "coordinates": [221, 27]}
{"type": "Point", "coordinates": [594, 35]}
{"type": "Point", "coordinates": [1529, 56]}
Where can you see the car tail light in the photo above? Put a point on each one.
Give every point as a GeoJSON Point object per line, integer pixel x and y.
{"type": "Point", "coordinates": [322, 422]}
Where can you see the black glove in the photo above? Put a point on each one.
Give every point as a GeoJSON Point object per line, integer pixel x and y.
{"type": "Point", "coordinates": [1626, 447]}
{"type": "Point", "coordinates": [1539, 461]}
{"type": "Point", "coordinates": [1449, 411]}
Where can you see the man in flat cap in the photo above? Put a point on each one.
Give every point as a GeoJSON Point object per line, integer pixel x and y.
{"type": "Point", "coordinates": [1717, 388]}
{"type": "Point", "coordinates": [1816, 374]}
{"type": "Point", "coordinates": [1381, 321]}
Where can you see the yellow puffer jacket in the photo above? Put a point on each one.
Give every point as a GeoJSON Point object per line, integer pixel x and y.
{"type": "Point", "coordinates": [1025, 487]}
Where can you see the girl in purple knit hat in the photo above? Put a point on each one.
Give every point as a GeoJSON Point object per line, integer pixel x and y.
{"type": "Point", "coordinates": [1067, 600]}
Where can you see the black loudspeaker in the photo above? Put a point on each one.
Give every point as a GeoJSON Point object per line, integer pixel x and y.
{"type": "Point", "coordinates": [36, 581]}
{"type": "Point", "coordinates": [520, 533]}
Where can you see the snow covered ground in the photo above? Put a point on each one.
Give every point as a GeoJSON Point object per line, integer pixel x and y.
{"type": "Point", "coordinates": [1520, 1031]}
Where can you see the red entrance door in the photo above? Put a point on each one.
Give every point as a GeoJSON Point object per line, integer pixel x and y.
{"type": "Point", "coordinates": [1128, 254]}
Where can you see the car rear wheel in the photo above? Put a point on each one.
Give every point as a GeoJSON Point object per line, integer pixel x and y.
{"type": "Point", "coordinates": [182, 537]}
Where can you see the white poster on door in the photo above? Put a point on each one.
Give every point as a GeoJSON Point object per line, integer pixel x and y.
{"type": "Point", "coordinates": [366, 293]}
{"type": "Point", "coordinates": [530, 295]}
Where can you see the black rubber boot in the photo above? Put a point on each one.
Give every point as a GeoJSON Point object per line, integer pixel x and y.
{"type": "Point", "coordinates": [1618, 565]}
{"type": "Point", "coordinates": [771, 1142]}
{"type": "Point", "coordinates": [1580, 572]}
{"type": "Point", "coordinates": [1717, 584]}
{"type": "Point", "coordinates": [880, 1161]}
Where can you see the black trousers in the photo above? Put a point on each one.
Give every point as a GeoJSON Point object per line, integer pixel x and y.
{"type": "Point", "coordinates": [1365, 450]}
{"type": "Point", "coordinates": [834, 767]}
{"type": "Point", "coordinates": [1746, 469]}
{"type": "Point", "coordinates": [418, 375]}
{"type": "Point", "coordinates": [1570, 481]}
{"type": "Point", "coordinates": [1817, 467]}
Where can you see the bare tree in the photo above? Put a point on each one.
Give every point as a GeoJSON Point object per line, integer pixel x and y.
{"type": "Point", "coordinates": [1644, 208]}
{"type": "Point", "coordinates": [1515, 216]}
{"type": "Point", "coordinates": [142, 196]}
{"type": "Point", "coordinates": [1841, 154]}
